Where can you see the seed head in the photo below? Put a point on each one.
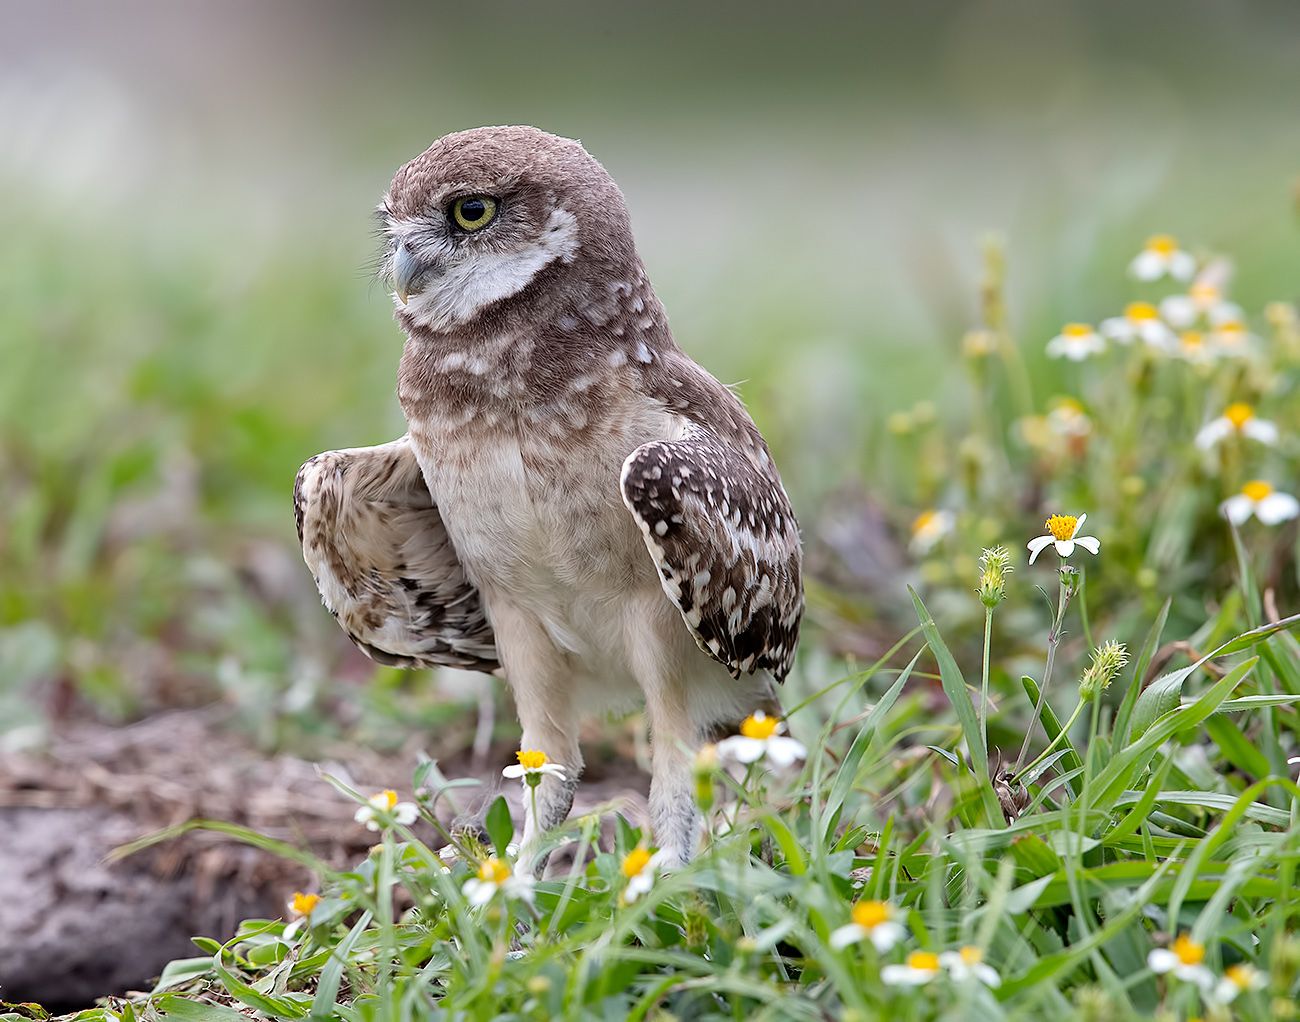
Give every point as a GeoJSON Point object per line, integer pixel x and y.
{"type": "Point", "coordinates": [995, 566]}
{"type": "Point", "coordinates": [1108, 660]}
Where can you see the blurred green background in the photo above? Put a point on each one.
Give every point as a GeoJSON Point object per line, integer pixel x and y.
{"type": "Point", "coordinates": [186, 311]}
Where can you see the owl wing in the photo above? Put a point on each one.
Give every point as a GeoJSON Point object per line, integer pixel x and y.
{"type": "Point", "coordinates": [719, 526]}
{"type": "Point", "coordinates": [383, 562]}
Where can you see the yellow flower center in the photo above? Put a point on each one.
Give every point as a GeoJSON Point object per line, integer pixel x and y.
{"type": "Point", "coordinates": [1203, 293]}
{"type": "Point", "coordinates": [1076, 330]}
{"type": "Point", "coordinates": [1188, 951]}
{"type": "Point", "coordinates": [1257, 490]}
{"type": "Point", "coordinates": [1141, 311]}
{"type": "Point", "coordinates": [923, 961]}
{"type": "Point", "coordinates": [1193, 339]}
{"type": "Point", "coordinates": [971, 955]}
{"type": "Point", "coordinates": [1165, 244]}
{"type": "Point", "coordinates": [384, 800]}
{"type": "Point", "coordinates": [531, 759]}
{"type": "Point", "coordinates": [304, 903]}
{"type": "Point", "coordinates": [870, 914]}
{"type": "Point", "coordinates": [1239, 413]}
{"type": "Point", "coordinates": [1242, 976]}
{"type": "Point", "coordinates": [635, 861]}
{"type": "Point", "coordinates": [1232, 332]}
{"type": "Point", "coordinates": [1062, 526]}
{"type": "Point", "coordinates": [760, 725]}
{"type": "Point", "coordinates": [1067, 406]}
{"type": "Point", "coordinates": [494, 871]}
{"type": "Point", "coordinates": [924, 521]}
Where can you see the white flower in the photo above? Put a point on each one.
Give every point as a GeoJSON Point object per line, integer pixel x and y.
{"type": "Point", "coordinates": [1068, 419]}
{"type": "Point", "coordinates": [1203, 299]}
{"type": "Point", "coordinates": [760, 738]}
{"type": "Point", "coordinates": [1063, 531]}
{"type": "Point", "coordinates": [383, 810]}
{"type": "Point", "coordinates": [930, 527]}
{"type": "Point", "coordinates": [1184, 958]}
{"type": "Point", "coordinates": [873, 921]}
{"type": "Point", "coordinates": [1238, 419]}
{"type": "Point", "coordinates": [640, 867]}
{"type": "Point", "coordinates": [1258, 498]}
{"type": "Point", "coordinates": [1193, 348]}
{"type": "Point", "coordinates": [1237, 979]}
{"type": "Point", "coordinates": [1140, 321]}
{"type": "Point", "coordinates": [1076, 341]}
{"type": "Point", "coordinates": [918, 968]}
{"type": "Point", "coordinates": [968, 963]}
{"type": "Point", "coordinates": [532, 766]}
{"type": "Point", "coordinates": [1231, 338]}
{"type": "Point", "coordinates": [977, 344]}
{"type": "Point", "coordinates": [496, 875]}
{"type": "Point", "coordinates": [1160, 256]}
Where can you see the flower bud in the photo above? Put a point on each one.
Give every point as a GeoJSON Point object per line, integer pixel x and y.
{"type": "Point", "coordinates": [995, 566]}
{"type": "Point", "coordinates": [977, 344]}
{"type": "Point", "coordinates": [706, 765]}
{"type": "Point", "coordinates": [1108, 660]}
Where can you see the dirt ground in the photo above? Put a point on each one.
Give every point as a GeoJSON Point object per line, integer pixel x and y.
{"type": "Point", "coordinates": [75, 925]}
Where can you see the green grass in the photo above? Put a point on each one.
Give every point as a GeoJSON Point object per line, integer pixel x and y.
{"type": "Point", "coordinates": [1107, 862]}
{"type": "Point", "coordinates": [1163, 810]}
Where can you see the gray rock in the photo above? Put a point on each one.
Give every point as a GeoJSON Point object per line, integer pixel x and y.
{"type": "Point", "coordinates": [74, 927]}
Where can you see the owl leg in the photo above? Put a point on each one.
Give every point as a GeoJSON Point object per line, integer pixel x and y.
{"type": "Point", "coordinates": [540, 678]}
{"type": "Point", "coordinates": [675, 738]}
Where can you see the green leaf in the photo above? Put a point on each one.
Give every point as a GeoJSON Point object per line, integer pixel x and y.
{"type": "Point", "coordinates": [848, 771]}
{"type": "Point", "coordinates": [174, 1006]}
{"type": "Point", "coordinates": [1035, 855]}
{"type": "Point", "coordinates": [1256, 702]}
{"type": "Point", "coordinates": [628, 836]}
{"type": "Point", "coordinates": [1149, 646]}
{"type": "Point", "coordinates": [500, 828]}
{"type": "Point", "coordinates": [1052, 725]}
{"type": "Point", "coordinates": [954, 686]}
{"type": "Point", "coordinates": [947, 754]}
{"type": "Point", "coordinates": [1158, 698]}
{"type": "Point", "coordinates": [331, 976]}
{"type": "Point", "coordinates": [1252, 638]}
{"type": "Point", "coordinates": [1215, 802]}
{"type": "Point", "coordinates": [1125, 764]}
{"type": "Point", "coordinates": [182, 970]}
{"type": "Point", "coordinates": [789, 844]}
{"type": "Point", "coordinates": [1236, 747]}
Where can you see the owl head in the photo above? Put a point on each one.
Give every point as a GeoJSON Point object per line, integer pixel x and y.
{"type": "Point", "coordinates": [496, 224]}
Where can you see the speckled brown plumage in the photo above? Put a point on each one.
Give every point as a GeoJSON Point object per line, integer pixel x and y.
{"type": "Point", "coordinates": [380, 556]}
{"type": "Point", "coordinates": [611, 504]}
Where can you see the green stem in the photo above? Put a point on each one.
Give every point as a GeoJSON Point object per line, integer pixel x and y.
{"type": "Point", "coordinates": [1053, 640]}
{"type": "Point", "coordinates": [1083, 608]}
{"type": "Point", "coordinates": [984, 680]}
{"type": "Point", "coordinates": [1062, 736]}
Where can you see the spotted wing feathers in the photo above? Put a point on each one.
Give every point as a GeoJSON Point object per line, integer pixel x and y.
{"type": "Point", "coordinates": [719, 527]}
{"type": "Point", "coordinates": [383, 562]}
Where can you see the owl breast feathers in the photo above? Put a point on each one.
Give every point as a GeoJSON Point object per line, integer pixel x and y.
{"type": "Point", "coordinates": [577, 503]}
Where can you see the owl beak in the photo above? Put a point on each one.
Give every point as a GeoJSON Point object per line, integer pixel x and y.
{"type": "Point", "coordinates": [405, 269]}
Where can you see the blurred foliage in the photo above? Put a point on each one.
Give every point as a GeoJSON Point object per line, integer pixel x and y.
{"type": "Point", "coordinates": [185, 313]}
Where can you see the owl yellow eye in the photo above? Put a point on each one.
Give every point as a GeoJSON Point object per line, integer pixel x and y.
{"type": "Point", "coordinates": [473, 212]}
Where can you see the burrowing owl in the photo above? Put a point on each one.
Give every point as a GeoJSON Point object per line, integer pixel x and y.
{"type": "Point", "coordinates": [577, 503]}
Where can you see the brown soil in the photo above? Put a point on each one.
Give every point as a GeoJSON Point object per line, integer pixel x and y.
{"type": "Point", "coordinates": [75, 925]}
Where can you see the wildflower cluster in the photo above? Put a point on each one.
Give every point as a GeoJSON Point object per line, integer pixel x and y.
{"type": "Point", "coordinates": [1174, 421]}
{"type": "Point", "coordinates": [1203, 327]}
{"type": "Point", "coordinates": [876, 922]}
{"type": "Point", "coordinates": [1184, 960]}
